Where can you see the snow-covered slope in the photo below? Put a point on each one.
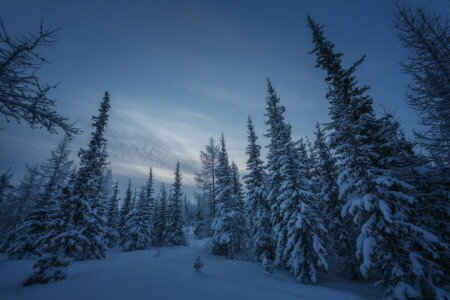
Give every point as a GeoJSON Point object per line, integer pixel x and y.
{"type": "Point", "coordinates": [167, 273]}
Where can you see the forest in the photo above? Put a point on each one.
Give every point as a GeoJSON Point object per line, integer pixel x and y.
{"type": "Point", "coordinates": [360, 198]}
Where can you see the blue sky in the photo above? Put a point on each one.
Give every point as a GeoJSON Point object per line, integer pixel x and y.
{"type": "Point", "coordinates": [180, 72]}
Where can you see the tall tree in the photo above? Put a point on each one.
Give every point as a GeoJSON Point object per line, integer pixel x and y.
{"type": "Point", "coordinates": [426, 35]}
{"type": "Point", "coordinates": [222, 242]}
{"type": "Point", "coordinates": [279, 134]}
{"type": "Point", "coordinates": [257, 204]}
{"type": "Point", "coordinates": [174, 230]}
{"type": "Point", "coordinates": [239, 222]}
{"type": "Point", "coordinates": [376, 196]}
{"type": "Point", "coordinates": [149, 206]}
{"type": "Point", "coordinates": [89, 212]}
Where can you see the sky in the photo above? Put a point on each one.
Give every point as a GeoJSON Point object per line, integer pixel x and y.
{"type": "Point", "coordinates": [180, 72]}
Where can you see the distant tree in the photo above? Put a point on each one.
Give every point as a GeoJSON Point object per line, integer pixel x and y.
{"type": "Point", "coordinates": [161, 219]}
{"type": "Point", "coordinates": [149, 205]}
{"type": "Point", "coordinates": [113, 217]}
{"type": "Point", "coordinates": [257, 204]}
{"type": "Point", "coordinates": [126, 207]}
{"type": "Point", "coordinates": [427, 37]}
{"type": "Point", "coordinates": [174, 230]}
{"type": "Point", "coordinates": [23, 96]}
{"type": "Point", "coordinates": [239, 222]}
{"type": "Point", "coordinates": [206, 181]}
{"type": "Point", "coordinates": [137, 233]}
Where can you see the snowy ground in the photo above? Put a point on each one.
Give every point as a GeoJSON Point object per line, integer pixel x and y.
{"type": "Point", "coordinates": [167, 273]}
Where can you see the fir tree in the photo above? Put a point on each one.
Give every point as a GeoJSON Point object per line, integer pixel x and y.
{"type": "Point", "coordinates": [174, 230]}
{"type": "Point", "coordinates": [258, 206]}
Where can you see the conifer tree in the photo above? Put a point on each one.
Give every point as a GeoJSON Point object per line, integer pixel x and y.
{"type": "Point", "coordinates": [89, 213]}
{"type": "Point", "coordinates": [376, 196]}
{"type": "Point", "coordinates": [258, 206]}
{"type": "Point", "coordinates": [113, 217]}
{"type": "Point", "coordinates": [174, 230]}
{"type": "Point", "coordinates": [304, 251]}
{"type": "Point", "coordinates": [53, 263]}
{"type": "Point", "coordinates": [29, 236]}
{"type": "Point", "coordinates": [222, 240]}
{"type": "Point", "coordinates": [239, 222]}
{"type": "Point", "coordinates": [341, 233]}
{"type": "Point", "coordinates": [126, 207]}
{"type": "Point", "coordinates": [137, 231]}
{"type": "Point", "coordinates": [160, 224]}
{"type": "Point", "coordinates": [149, 204]}
{"type": "Point", "coordinates": [14, 215]}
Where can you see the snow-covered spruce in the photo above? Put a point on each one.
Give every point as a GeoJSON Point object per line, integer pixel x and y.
{"type": "Point", "coordinates": [377, 196]}
{"type": "Point", "coordinates": [174, 226]}
{"type": "Point", "coordinates": [257, 205]}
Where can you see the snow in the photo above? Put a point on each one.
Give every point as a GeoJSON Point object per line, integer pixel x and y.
{"type": "Point", "coordinates": [168, 273]}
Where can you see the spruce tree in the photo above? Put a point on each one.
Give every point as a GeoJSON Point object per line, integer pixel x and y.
{"type": "Point", "coordinates": [304, 251]}
{"type": "Point", "coordinates": [174, 230]}
{"type": "Point", "coordinates": [341, 233]}
{"type": "Point", "coordinates": [137, 233]}
{"type": "Point", "coordinates": [257, 204]}
{"type": "Point", "coordinates": [239, 222]}
{"type": "Point", "coordinates": [22, 200]}
{"type": "Point", "coordinates": [279, 153]}
{"type": "Point", "coordinates": [89, 213]}
{"type": "Point", "coordinates": [222, 226]}
{"type": "Point", "coordinates": [126, 207]}
{"type": "Point", "coordinates": [149, 205]}
{"type": "Point", "coordinates": [113, 217]}
{"type": "Point", "coordinates": [377, 197]}
{"type": "Point", "coordinates": [161, 218]}
{"type": "Point", "coordinates": [54, 172]}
